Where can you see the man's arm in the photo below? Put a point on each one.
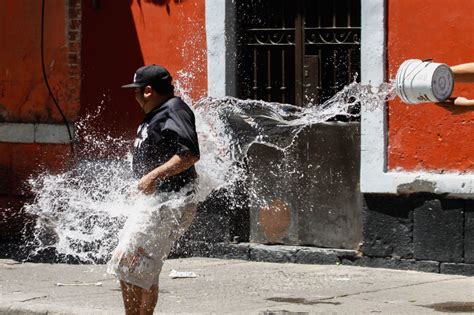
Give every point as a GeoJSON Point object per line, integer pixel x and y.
{"type": "Point", "coordinates": [462, 101]}
{"type": "Point", "coordinates": [463, 72]}
{"type": "Point", "coordinates": [177, 164]}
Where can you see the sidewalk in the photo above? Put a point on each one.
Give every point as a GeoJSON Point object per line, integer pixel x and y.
{"type": "Point", "coordinates": [238, 287]}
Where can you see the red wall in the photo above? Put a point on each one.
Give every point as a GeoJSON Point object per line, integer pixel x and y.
{"type": "Point", "coordinates": [429, 137]}
{"type": "Point", "coordinates": [90, 52]}
{"type": "Point", "coordinates": [24, 97]}
{"type": "Point", "coordinates": [173, 34]}
{"type": "Point", "coordinates": [120, 36]}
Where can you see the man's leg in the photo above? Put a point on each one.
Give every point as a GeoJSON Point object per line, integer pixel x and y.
{"type": "Point", "coordinates": [141, 301]}
{"type": "Point", "coordinates": [138, 300]}
{"type": "Point", "coordinates": [132, 298]}
{"type": "Point", "coordinates": [149, 299]}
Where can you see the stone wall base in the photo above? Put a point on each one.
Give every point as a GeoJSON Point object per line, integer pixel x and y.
{"type": "Point", "coordinates": [313, 255]}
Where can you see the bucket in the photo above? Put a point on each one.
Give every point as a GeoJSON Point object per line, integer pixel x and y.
{"type": "Point", "coordinates": [420, 81]}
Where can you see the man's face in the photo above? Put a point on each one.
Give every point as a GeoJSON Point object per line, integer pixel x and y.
{"type": "Point", "coordinates": [139, 91]}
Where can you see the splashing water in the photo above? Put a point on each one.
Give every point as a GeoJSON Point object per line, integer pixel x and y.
{"type": "Point", "coordinates": [80, 213]}
{"type": "Point", "coordinates": [239, 123]}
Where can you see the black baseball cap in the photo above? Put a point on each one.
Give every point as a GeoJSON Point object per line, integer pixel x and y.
{"type": "Point", "coordinates": [153, 75]}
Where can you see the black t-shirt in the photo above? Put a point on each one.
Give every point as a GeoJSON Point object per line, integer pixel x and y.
{"type": "Point", "coordinates": [165, 131]}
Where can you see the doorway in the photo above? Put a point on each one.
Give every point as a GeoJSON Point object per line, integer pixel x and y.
{"type": "Point", "coordinates": [298, 52]}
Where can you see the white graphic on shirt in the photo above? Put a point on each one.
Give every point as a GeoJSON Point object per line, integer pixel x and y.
{"type": "Point", "coordinates": [142, 134]}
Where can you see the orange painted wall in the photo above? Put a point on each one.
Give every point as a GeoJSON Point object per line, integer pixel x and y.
{"type": "Point", "coordinates": [429, 137]}
{"type": "Point", "coordinates": [24, 97]}
{"type": "Point", "coordinates": [90, 51]}
{"type": "Point", "coordinates": [120, 36]}
{"type": "Point", "coordinates": [23, 93]}
{"type": "Point", "coordinates": [173, 34]}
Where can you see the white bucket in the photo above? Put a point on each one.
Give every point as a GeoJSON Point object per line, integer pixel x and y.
{"type": "Point", "coordinates": [420, 81]}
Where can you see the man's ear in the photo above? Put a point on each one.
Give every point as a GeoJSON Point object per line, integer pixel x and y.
{"type": "Point", "coordinates": [148, 90]}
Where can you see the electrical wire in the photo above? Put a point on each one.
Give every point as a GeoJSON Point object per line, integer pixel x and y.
{"type": "Point", "coordinates": [45, 78]}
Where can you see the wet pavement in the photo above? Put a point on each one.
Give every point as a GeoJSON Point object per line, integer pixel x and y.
{"type": "Point", "coordinates": [237, 287]}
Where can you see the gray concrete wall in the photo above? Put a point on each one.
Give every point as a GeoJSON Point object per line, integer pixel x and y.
{"type": "Point", "coordinates": [309, 194]}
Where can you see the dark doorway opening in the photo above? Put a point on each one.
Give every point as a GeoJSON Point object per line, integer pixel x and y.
{"type": "Point", "coordinates": [299, 52]}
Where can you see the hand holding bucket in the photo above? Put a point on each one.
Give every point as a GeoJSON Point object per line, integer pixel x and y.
{"type": "Point", "coordinates": [421, 81]}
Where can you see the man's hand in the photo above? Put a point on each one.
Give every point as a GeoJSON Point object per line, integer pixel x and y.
{"type": "Point", "coordinates": [462, 101]}
{"type": "Point", "coordinates": [457, 105]}
{"type": "Point", "coordinates": [456, 101]}
{"type": "Point", "coordinates": [147, 184]}
{"type": "Point", "coordinates": [177, 164]}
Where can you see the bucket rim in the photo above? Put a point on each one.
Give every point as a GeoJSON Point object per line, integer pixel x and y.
{"type": "Point", "coordinates": [401, 76]}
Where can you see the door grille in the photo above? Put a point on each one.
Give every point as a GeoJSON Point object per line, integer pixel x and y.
{"type": "Point", "coordinates": [299, 52]}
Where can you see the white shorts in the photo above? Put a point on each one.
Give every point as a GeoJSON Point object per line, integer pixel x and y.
{"type": "Point", "coordinates": [147, 238]}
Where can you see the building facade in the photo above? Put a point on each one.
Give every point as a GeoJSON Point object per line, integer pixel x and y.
{"type": "Point", "coordinates": [407, 171]}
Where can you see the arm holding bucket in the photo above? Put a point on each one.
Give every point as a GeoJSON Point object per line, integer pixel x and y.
{"type": "Point", "coordinates": [462, 101]}
{"type": "Point", "coordinates": [463, 73]}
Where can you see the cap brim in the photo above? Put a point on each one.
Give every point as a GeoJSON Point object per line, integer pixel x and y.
{"type": "Point", "coordinates": [132, 85]}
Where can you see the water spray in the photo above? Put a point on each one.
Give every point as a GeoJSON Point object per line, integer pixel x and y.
{"type": "Point", "coordinates": [80, 213]}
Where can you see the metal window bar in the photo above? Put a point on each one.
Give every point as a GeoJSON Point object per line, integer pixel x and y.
{"type": "Point", "coordinates": [324, 34]}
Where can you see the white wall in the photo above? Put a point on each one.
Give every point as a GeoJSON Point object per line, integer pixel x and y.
{"type": "Point", "coordinates": [34, 133]}
{"type": "Point", "coordinates": [216, 47]}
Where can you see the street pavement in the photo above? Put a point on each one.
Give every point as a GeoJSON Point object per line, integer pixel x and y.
{"type": "Point", "coordinates": [237, 287]}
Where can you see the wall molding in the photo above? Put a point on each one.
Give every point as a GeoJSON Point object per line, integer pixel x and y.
{"type": "Point", "coordinates": [35, 133]}
{"type": "Point", "coordinates": [375, 178]}
{"type": "Point", "coordinates": [221, 47]}
{"type": "Point", "coordinates": [216, 47]}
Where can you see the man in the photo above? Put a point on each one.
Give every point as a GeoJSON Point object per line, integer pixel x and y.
{"type": "Point", "coordinates": [463, 73]}
{"type": "Point", "coordinates": [164, 154]}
